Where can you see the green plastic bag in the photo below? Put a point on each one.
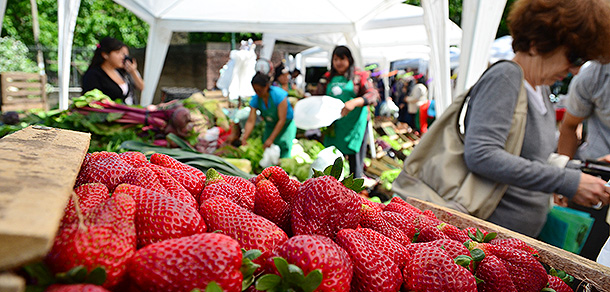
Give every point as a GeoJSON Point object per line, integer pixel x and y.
{"type": "Point", "coordinates": [566, 228]}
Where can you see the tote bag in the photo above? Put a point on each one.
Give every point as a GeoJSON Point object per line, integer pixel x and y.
{"type": "Point", "coordinates": [436, 171]}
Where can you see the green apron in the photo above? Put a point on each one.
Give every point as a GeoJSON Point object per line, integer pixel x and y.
{"type": "Point", "coordinates": [348, 132]}
{"type": "Point", "coordinates": [288, 133]}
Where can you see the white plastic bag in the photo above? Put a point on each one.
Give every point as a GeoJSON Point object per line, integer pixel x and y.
{"type": "Point", "coordinates": [326, 157]}
{"type": "Point", "coordinates": [317, 111]}
{"type": "Point", "coordinates": [604, 255]}
{"type": "Point", "coordinates": [271, 156]}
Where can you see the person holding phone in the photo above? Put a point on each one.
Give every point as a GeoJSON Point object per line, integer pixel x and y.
{"type": "Point", "coordinates": [113, 71]}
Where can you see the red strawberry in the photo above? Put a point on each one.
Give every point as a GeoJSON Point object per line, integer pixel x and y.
{"type": "Point", "coordinates": [403, 210]}
{"type": "Point", "coordinates": [452, 247]}
{"type": "Point", "coordinates": [422, 221]}
{"type": "Point", "coordinates": [525, 270]}
{"type": "Point", "coordinates": [247, 188]}
{"type": "Point", "coordinates": [400, 221]}
{"type": "Point", "coordinates": [432, 269]}
{"type": "Point", "coordinates": [250, 230]}
{"type": "Point", "coordinates": [280, 179]}
{"type": "Point", "coordinates": [144, 177]}
{"type": "Point", "coordinates": [192, 183]}
{"type": "Point", "coordinates": [75, 288]}
{"type": "Point", "coordinates": [310, 252]}
{"type": "Point", "coordinates": [429, 233]}
{"type": "Point", "coordinates": [89, 196]}
{"type": "Point", "coordinates": [371, 218]}
{"type": "Point", "coordinates": [558, 285]}
{"type": "Point", "coordinates": [495, 276]}
{"type": "Point", "coordinates": [174, 189]}
{"type": "Point", "coordinates": [473, 231]}
{"type": "Point", "coordinates": [453, 232]}
{"type": "Point", "coordinates": [324, 206]}
{"type": "Point", "coordinates": [516, 243]}
{"type": "Point", "coordinates": [183, 264]}
{"type": "Point", "coordinates": [106, 238]}
{"type": "Point", "coordinates": [104, 167]}
{"type": "Point", "coordinates": [170, 162]}
{"type": "Point", "coordinates": [215, 185]}
{"type": "Point", "coordinates": [396, 251]}
{"type": "Point", "coordinates": [370, 204]}
{"type": "Point", "coordinates": [80, 179]}
{"type": "Point", "coordinates": [429, 214]}
{"type": "Point", "coordinates": [269, 204]}
{"type": "Point", "coordinates": [411, 208]}
{"type": "Point", "coordinates": [134, 158]}
{"type": "Point", "coordinates": [160, 217]}
{"type": "Point", "coordinates": [373, 270]}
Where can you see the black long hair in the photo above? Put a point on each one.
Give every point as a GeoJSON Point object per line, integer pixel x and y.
{"type": "Point", "coordinates": [106, 45]}
{"type": "Point", "coordinates": [342, 52]}
{"type": "Point", "coordinates": [261, 79]}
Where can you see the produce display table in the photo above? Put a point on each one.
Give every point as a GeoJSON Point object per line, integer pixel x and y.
{"type": "Point", "coordinates": [581, 268]}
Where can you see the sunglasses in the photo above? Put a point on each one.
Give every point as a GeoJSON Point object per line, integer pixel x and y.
{"type": "Point", "coordinates": [575, 61]}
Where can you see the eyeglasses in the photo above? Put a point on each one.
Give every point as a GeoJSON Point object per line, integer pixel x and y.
{"type": "Point", "coordinates": [575, 61]}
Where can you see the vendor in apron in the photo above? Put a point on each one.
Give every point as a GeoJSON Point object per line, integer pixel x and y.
{"type": "Point", "coordinates": [276, 111]}
{"type": "Point", "coordinates": [357, 91]}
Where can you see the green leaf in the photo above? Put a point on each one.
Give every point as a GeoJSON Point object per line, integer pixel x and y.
{"type": "Point", "coordinates": [478, 280]}
{"type": "Point", "coordinates": [490, 236]}
{"type": "Point", "coordinates": [328, 170]}
{"type": "Point", "coordinates": [97, 276]}
{"type": "Point", "coordinates": [282, 266]}
{"type": "Point", "coordinates": [248, 268]}
{"type": "Point", "coordinates": [196, 290]}
{"type": "Point", "coordinates": [317, 173]}
{"type": "Point", "coordinates": [40, 273]}
{"type": "Point", "coordinates": [73, 276]}
{"type": "Point", "coordinates": [213, 287]}
{"type": "Point", "coordinates": [479, 234]}
{"type": "Point", "coordinates": [251, 254]}
{"type": "Point", "coordinates": [267, 282]}
{"type": "Point", "coordinates": [477, 254]}
{"type": "Point", "coordinates": [358, 185]}
{"type": "Point", "coordinates": [547, 289]}
{"type": "Point", "coordinates": [348, 182]}
{"type": "Point", "coordinates": [463, 260]}
{"type": "Point", "coordinates": [312, 281]}
{"type": "Point", "coordinates": [337, 168]}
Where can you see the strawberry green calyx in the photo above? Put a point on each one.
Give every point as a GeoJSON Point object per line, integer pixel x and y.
{"type": "Point", "coordinates": [291, 278]}
{"type": "Point", "coordinates": [567, 278]}
{"type": "Point", "coordinates": [212, 177]}
{"type": "Point", "coordinates": [479, 236]}
{"type": "Point", "coordinates": [336, 170]}
{"type": "Point", "coordinates": [43, 277]}
{"type": "Point", "coordinates": [248, 267]}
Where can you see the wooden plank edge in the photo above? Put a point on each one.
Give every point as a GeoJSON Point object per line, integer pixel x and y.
{"type": "Point", "coordinates": [573, 264]}
{"type": "Point", "coordinates": [10, 282]}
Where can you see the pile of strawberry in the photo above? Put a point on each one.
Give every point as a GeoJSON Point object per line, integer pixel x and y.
{"type": "Point", "coordinates": [161, 225]}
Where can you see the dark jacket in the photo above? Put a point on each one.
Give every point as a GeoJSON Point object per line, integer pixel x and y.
{"type": "Point", "coordinates": [96, 78]}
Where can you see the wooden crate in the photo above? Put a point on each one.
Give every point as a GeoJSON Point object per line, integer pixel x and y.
{"type": "Point", "coordinates": [20, 91]}
{"type": "Point", "coordinates": [39, 169]}
{"type": "Point", "coordinates": [573, 264]}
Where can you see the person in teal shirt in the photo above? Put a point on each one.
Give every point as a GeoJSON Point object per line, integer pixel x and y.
{"type": "Point", "coordinates": [276, 111]}
{"type": "Point", "coordinates": [357, 91]}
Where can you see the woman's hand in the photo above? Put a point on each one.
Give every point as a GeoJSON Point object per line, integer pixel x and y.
{"type": "Point", "coordinates": [131, 66]}
{"type": "Point", "coordinates": [267, 143]}
{"type": "Point", "coordinates": [605, 158]}
{"type": "Point", "coordinates": [244, 141]}
{"type": "Point", "coordinates": [591, 191]}
{"type": "Point", "coordinates": [560, 200]}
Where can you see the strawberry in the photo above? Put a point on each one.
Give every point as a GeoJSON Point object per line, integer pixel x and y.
{"type": "Point", "coordinates": [215, 185]}
{"type": "Point", "coordinates": [247, 188]}
{"type": "Point", "coordinates": [75, 288]}
{"type": "Point", "coordinates": [525, 270]}
{"type": "Point", "coordinates": [371, 218]}
{"type": "Point", "coordinates": [310, 252]}
{"type": "Point", "coordinates": [280, 179]}
{"type": "Point", "coordinates": [373, 270]}
{"type": "Point", "coordinates": [160, 217]}
{"type": "Point", "coordinates": [134, 158]}
{"type": "Point", "coordinates": [400, 221]}
{"type": "Point", "coordinates": [391, 248]}
{"type": "Point", "coordinates": [183, 264]}
{"type": "Point", "coordinates": [452, 247]}
{"type": "Point", "coordinates": [173, 187]}
{"type": "Point", "coordinates": [170, 162]}
{"type": "Point", "coordinates": [144, 177]}
{"type": "Point", "coordinates": [432, 269]}
{"type": "Point", "coordinates": [250, 230]}
{"type": "Point", "coordinates": [429, 214]}
{"type": "Point", "coordinates": [494, 276]}
{"type": "Point", "coordinates": [473, 231]}
{"type": "Point", "coordinates": [269, 204]}
{"type": "Point", "coordinates": [516, 243]}
{"type": "Point", "coordinates": [89, 196]}
{"type": "Point", "coordinates": [104, 167]}
{"type": "Point", "coordinates": [422, 221]}
{"type": "Point", "coordinates": [324, 206]}
{"type": "Point", "coordinates": [429, 233]}
{"type": "Point", "coordinates": [106, 238]}
{"type": "Point", "coordinates": [370, 204]}
{"type": "Point", "coordinates": [192, 183]}
{"type": "Point", "coordinates": [80, 178]}
{"type": "Point", "coordinates": [399, 208]}
{"type": "Point", "coordinates": [558, 285]}
{"type": "Point", "coordinates": [453, 232]}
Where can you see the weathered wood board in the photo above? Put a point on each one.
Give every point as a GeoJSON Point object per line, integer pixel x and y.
{"type": "Point", "coordinates": [11, 283]}
{"type": "Point", "coordinates": [573, 264]}
{"type": "Point", "coordinates": [38, 169]}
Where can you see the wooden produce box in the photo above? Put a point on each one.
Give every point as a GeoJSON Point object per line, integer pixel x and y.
{"type": "Point", "coordinates": [581, 268]}
{"type": "Point", "coordinates": [39, 169]}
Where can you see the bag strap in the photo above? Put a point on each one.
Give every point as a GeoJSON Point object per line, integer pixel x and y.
{"type": "Point", "coordinates": [520, 107]}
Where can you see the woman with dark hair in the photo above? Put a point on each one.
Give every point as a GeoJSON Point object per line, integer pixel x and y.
{"type": "Point", "coordinates": [357, 91]}
{"type": "Point", "coordinates": [551, 38]}
{"type": "Point", "coordinates": [113, 72]}
{"type": "Point", "coordinates": [282, 79]}
{"type": "Point", "coordinates": [272, 102]}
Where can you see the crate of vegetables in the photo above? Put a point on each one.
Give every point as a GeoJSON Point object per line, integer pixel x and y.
{"type": "Point", "coordinates": [149, 222]}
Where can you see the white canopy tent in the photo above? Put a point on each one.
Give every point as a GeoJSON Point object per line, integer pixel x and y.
{"type": "Point", "coordinates": [274, 16]}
